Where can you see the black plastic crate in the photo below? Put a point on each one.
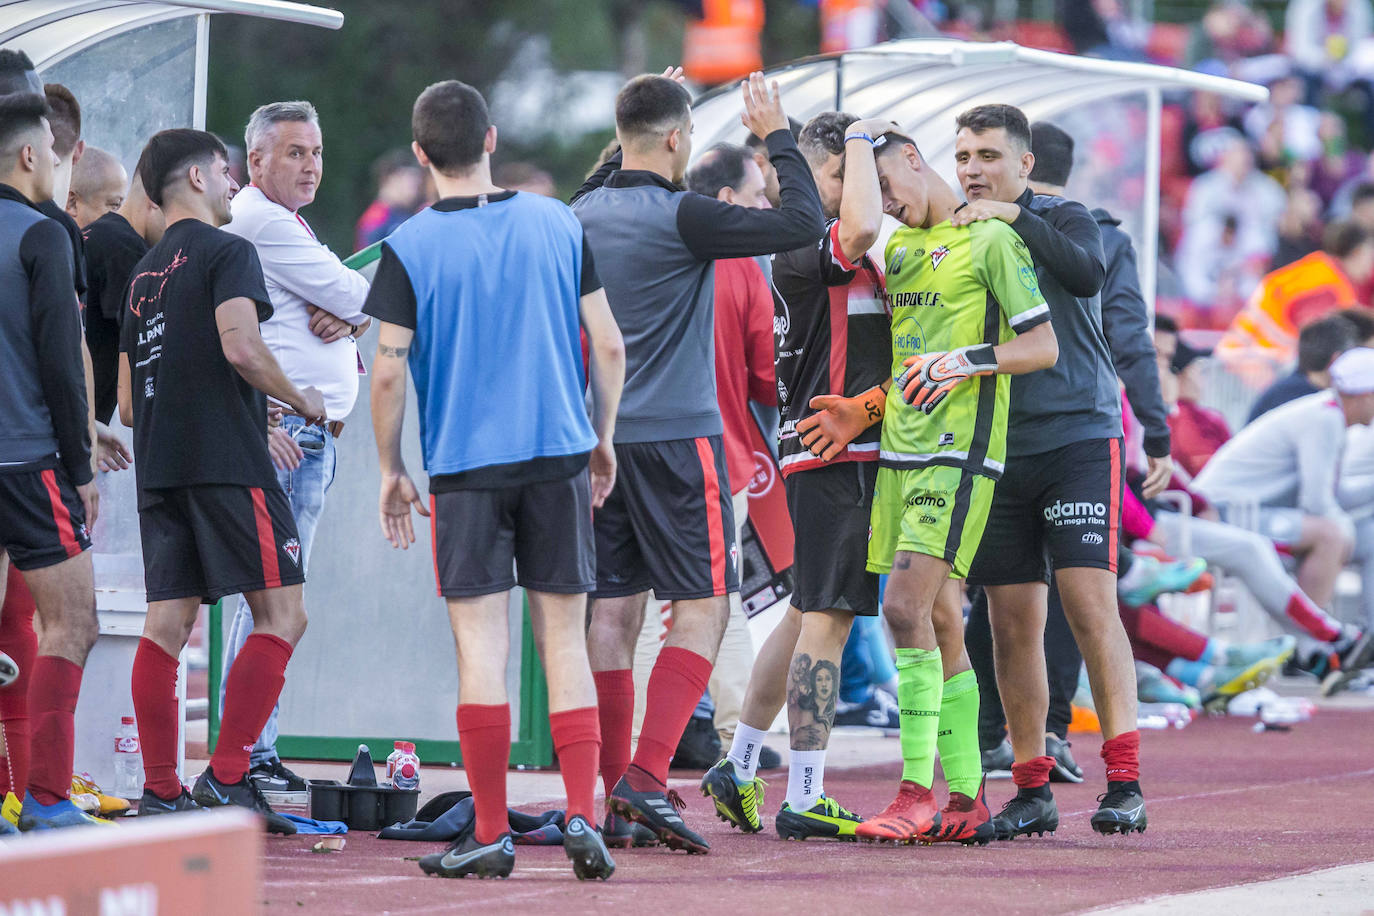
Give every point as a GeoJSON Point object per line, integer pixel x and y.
{"type": "Point", "coordinates": [361, 807]}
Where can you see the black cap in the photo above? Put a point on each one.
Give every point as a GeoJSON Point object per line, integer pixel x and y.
{"type": "Point", "coordinates": [1184, 356]}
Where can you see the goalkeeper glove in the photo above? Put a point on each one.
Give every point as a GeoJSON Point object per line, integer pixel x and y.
{"type": "Point", "coordinates": [838, 421]}
{"type": "Point", "coordinates": [929, 378]}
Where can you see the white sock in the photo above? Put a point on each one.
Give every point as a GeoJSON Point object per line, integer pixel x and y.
{"type": "Point", "coordinates": [744, 751]}
{"type": "Point", "coordinates": [805, 779]}
{"type": "Point", "coordinates": [1140, 571]}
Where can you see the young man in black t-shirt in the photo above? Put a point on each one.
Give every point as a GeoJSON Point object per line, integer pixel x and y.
{"type": "Point", "coordinates": [115, 241]}
{"type": "Point", "coordinates": [192, 378]}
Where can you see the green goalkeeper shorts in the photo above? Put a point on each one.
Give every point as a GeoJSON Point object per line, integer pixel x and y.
{"type": "Point", "coordinates": [937, 511]}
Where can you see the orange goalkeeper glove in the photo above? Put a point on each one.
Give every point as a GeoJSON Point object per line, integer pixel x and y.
{"type": "Point", "coordinates": [838, 421]}
{"type": "Point", "coordinates": [929, 378]}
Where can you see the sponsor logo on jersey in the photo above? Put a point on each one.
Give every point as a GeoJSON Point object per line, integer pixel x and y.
{"type": "Point", "coordinates": [946, 439]}
{"type": "Point", "coordinates": [908, 337]}
{"type": "Point", "coordinates": [937, 256]}
{"type": "Point", "coordinates": [1067, 512]}
{"type": "Point", "coordinates": [1028, 278]}
{"type": "Point", "coordinates": [925, 499]}
{"type": "Point", "coordinates": [1092, 537]}
{"type": "Point", "coordinates": [782, 321]}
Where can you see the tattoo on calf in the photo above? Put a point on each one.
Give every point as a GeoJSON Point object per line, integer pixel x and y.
{"type": "Point", "coordinates": [811, 692]}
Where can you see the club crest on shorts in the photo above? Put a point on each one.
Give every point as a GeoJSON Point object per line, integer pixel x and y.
{"type": "Point", "coordinates": [937, 256]}
{"type": "Point", "coordinates": [293, 550]}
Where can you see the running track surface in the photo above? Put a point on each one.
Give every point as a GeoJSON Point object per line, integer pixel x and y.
{"type": "Point", "coordinates": [1227, 806]}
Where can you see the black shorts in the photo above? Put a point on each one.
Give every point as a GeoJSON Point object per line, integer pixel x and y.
{"type": "Point", "coordinates": [42, 520]}
{"type": "Point", "coordinates": [831, 508]}
{"type": "Point", "coordinates": [669, 524]}
{"type": "Point", "coordinates": [1054, 510]}
{"type": "Point", "coordinates": [537, 535]}
{"type": "Point", "coordinates": [213, 540]}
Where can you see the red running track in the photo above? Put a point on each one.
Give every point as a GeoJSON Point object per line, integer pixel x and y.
{"type": "Point", "coordinates": [1227, 806]}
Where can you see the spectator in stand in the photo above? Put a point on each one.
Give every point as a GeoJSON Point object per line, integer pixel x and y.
{"type": "Point", "coordinates": [1207, 126]}
{"type": "Point", "coordinates": [1229, 31]}
{"type": "Point", "coordinates": [1297, 123]}
{"type": "Point", "coordinates": [524, 176]}
{"type": "Point", "coordinates": [1263, 337]}
{"type": "Point", "coordinates": [1196, 432]}
{"type": "Point", "coordinates": [1318, 344]}
{"type": "Point", "coordinates": [1104, 28]}
{"type": "Point", "coordinates": [1232, 207]}
{"type": "Point", "coordinates": [400, 192]}
{"type": "Point", "coordinates": [1339, 163]}
{"type": "Point", "coordinates": [1320, 34]}
{"type": "Point", "coordinates": [1299, 228]}
{"type": "Point", "coordinates": [744, 373]}
{"type": "Point", "coordinates": [1280, 475]}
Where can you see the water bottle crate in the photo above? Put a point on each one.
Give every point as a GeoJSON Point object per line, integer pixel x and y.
{"type": "Point", "coordinates": [361, 807]}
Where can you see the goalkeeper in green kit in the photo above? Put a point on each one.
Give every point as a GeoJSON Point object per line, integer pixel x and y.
{"type": "Point", "coordinates": [966, 313]}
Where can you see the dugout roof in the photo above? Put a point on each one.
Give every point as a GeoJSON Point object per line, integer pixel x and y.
{"type": "Point", "coordinates": [52, 30]}
{"type": "Point", "coordinates": [924, 83]}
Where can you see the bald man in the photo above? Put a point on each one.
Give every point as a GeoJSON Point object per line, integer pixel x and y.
{"type": "Point", "coordinates": [97, 187]}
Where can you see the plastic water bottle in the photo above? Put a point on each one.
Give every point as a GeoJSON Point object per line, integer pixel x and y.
{"type": "Point", "coordinates": [407, 772]}
{"type": "Point", "coordinates": [128, 761]}
{"type": "Point", "coordinates": [391, 761]}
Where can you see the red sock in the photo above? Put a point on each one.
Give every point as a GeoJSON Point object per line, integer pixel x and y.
{"type": "Point", "coordinates": [1122, 756]}
{"type": "Point", "coordinates": [1147, 625]}
{"type": "Point", "coordinates": [1303, 611]}
{"type": "Point", "coordinates": [52, 703]}
{"type": "Point", "coordinates": [18, 640]}
{"type": "Point", "coordinates": [254, 684]}
{"type": "Point", "coordinates": [155, 708]}
{"type": "Point", "coordinates": [615, 704]}
{"type": "Point", "coordinates": [1033, 773]}
{"type": "Point", "coordinates": [484, 736]}
{"type": "Point", "coordinates": [675, 687]}
{"type": "Point", "coordinates": [577, 741]}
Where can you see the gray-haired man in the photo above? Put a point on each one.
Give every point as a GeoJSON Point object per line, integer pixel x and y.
{"type": "Point", "coordinates": [317, 314]}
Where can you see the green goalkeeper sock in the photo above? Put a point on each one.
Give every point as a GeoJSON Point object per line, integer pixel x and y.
{"type": "Point", "coordinates": [919, 681]}
{"type": "Point", "coordinates": [958, 739]}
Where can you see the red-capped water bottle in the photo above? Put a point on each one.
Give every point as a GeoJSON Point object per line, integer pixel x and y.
{"type": "Point", "coordinates": [407, 772]}
{"type": "Point", "coordinates": [128, 760]}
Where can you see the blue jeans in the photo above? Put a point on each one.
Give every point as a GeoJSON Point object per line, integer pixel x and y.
{"type": "Point", "coordinates": [305, 488]}
{"type": "Point", "coordinates": [867, 660]}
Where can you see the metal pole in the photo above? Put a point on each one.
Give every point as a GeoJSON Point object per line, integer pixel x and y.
{"type": "Point", "coordinates": [202, 70]}
{"type": "Point", "coordinates": [1149, 245]}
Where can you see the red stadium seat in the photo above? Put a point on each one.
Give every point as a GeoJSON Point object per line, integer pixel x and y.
{"type": "Point", "coordinates": [1168, 42]}
{"type": "Point", "coordinates": [1043, 35]}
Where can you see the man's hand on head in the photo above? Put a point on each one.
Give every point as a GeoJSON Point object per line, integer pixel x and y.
{"type": "Point", "coordinates": [984, 210]}
{"type": "Point", "coordinates": [763, 112]}
{"type": "Point", "coordinates": [674, 74]}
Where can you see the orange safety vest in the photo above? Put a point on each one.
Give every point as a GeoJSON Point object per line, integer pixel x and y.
{"type": "Point", "coordinates": [725, 43]}
{"type": "Point", "coordinates": [1263, 336]}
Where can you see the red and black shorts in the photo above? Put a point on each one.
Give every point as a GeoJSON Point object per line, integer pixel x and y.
{"type": "Point", "coordinates": [538, 535]}
{"type": "Point", "coordinates": [1054, 510]}
{"type": "Point", "coordinates": [212, 540]}
{"type": "Point", "coordinates": [42, 520]}
{"type": "Point", "coordinates": [669, 524]}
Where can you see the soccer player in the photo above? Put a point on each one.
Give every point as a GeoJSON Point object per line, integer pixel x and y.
{"type": "Point", "coordinates": [965, 304]}
{"type": "Point", "coordinates": [482, 294]}
{"type": "Point", "coordinates": [668, 525]}
{"type": "Point", "coordinates": [833, 349]}
{"type": "Point", "coordinates": [214, 522]}
{"type": "Point", "coordinates": [47, 490]}
{"type": "Point", "coordinates": [1058, 505]}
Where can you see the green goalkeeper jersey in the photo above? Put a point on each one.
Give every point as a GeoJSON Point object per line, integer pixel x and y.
{"type": "Point", "coordinates": [955, 287]}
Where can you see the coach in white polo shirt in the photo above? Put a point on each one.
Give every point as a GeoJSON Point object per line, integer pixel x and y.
{"type": "Point", "coordinates": [317, 312]}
